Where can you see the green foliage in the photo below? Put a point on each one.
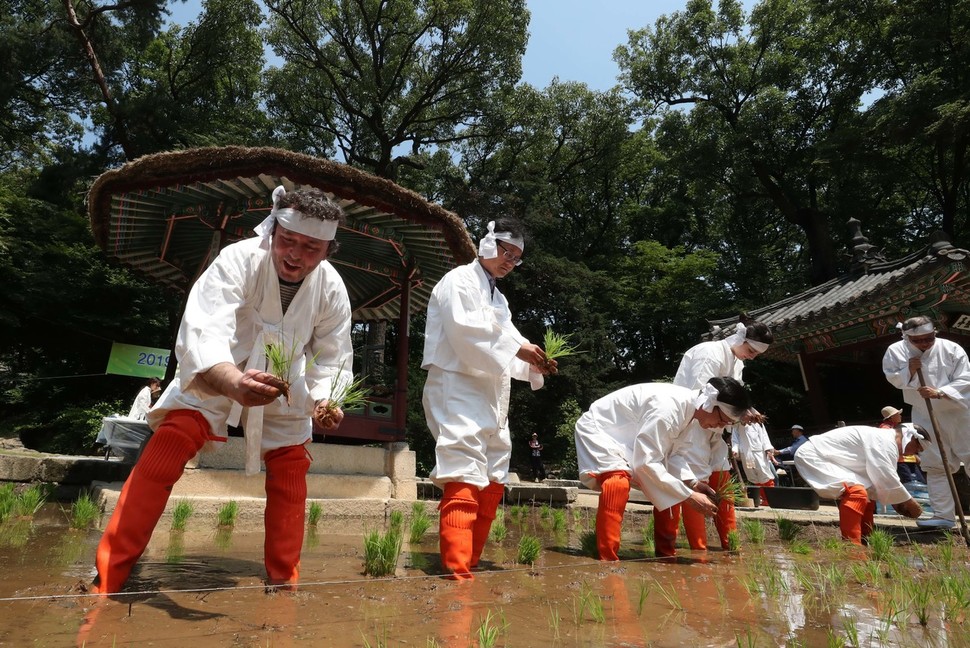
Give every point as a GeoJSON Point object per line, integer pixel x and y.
{"type": "Point", "coordinates": [228, 513]}
{"type": "Point", "coordinates": [529, 549]}
{"type": "Point", "coordinates": [381, 551]}
{"type": "Point", "coordinates": [30, 499]}
{"type": "Point", "coordinates": [181, 513]}
{"type": "Point", "coordinates": [569, 413]}
{"type": "Point", "coordinates": [420, 522]}
{"type": "Point", "coordinates": [84, 511]}
{"type": "Point", "coordinates": [587, 544]}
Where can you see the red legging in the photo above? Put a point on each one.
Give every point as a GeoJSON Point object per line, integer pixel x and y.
{"type": "Point", "coordinates": [855, 513]}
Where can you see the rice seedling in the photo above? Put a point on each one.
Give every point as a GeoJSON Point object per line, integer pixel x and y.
{"type": "Point", "coordinates": [787, 529]}
{"type": "Point", "coordinates": [84, 511]}
{"type": "Point", "coordinates": [867, 573]}
{"type": "Point", "coordinates": [279, 362]}
{"type": "Point", "coordinates": [577, 516]}
{"type": "Point", "coordinates": [643, 588]}
{"type": "Point", "coordinates": [529, 549]}
{"type": "Point", "coordinates": [432, 643]}
{"type": "Point", "coordinates": [489, 630]}
{"type": "Point", "coordinates": [921, 598]}
{"type": "Point", "coordinates": [396, 521]}
{"type": "Point", "coordinates": [734, 540]}
{"type": "Point", "coordinates": [315, 512]}
{"type": "Point", "coordinates": [945, 550]}
{"type": "Point", "coordinates": [420, 522]}
{"type": "Point", "coordinates": [180, 514]}
{"type": "Point", "coordinates": [851, 631]}
{"type": "Point", "coordinates": [834, 640]}
{"type": "Point", "coordinates": [731, 490]}
{"type": "Point", "coordinates": [554, 621]}
{"type": "Point", "coordinates": [587, 544]}
{"type": "Point", "coordinates": [344, 395]}
{"type": "Point", "coordinates": [381, 552]}
{"type": "Point", "coordinates": [16, 532]}
{"type": "Point", "coordinates": [800, 547]}
{"type": "Point", "coordinates": [8, 499]}
{"type": "Point", "coordinates": [518, 514]}
{"type": "Point", "coordinates": [545, 512]}
{"type": "Point", "coordinates": [30, 499]}
{"type": "Point", "coordinates": [590, 601]}
{"type": "Point", "coordinates": [880, 545]}
{"type": "Point", "coordinates": [499, 531]}
{"type": "Point", "coordinates": [753, 530]}
{"type": "Point", "coordinates": [228, 513]}
{"type": "Point", "coordinates": [224, 538]}
{"type": "Point", "coordinates": [175, 551]}
{"type": "Point", "coordinates": [557, 346]}
{"type": "Point", "coordinates": [747, 641]}
{"type": "Point", "coordinates": [558, 521]}
{"type": "Point", "coordinates": [670, 595]}
{"type": "Point", "coordinates": [381, 639]}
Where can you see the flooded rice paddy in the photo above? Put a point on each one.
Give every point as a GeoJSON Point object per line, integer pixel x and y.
{"type": "Point", "coordinates": [203, 587]}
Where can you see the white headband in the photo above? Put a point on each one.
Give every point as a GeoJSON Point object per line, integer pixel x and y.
{"type": "Point", "coordinates": [488, 248]}
{"type": "Point", "coordinates": [706, 400]}
{"type": "Point", "coordinates": [739, 337]}
{"type": "Point", "coordinates": [922, 329]}
{"type": "Point", "coordinates": [295, 221]}
{"type": "Point", "coordinates": [909, 433]}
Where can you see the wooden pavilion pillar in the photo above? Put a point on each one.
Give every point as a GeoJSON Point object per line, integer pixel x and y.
{"type": "Point", "coordinates": [404, 332]}
{"type": "Point", "coordinates": [816, 398]}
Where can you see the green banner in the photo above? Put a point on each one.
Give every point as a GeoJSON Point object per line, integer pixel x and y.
{"type": "Point", "coordinates": [131, 360]}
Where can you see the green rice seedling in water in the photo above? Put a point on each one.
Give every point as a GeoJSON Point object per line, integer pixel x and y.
{"type": "Point", "coordinates": [747, 641]}
{"type": "Point", "coordinates": [420, 522]}
{"type": "Point", "coordinates": [84, 511]}
{"type": "Point", "coordinates": [643, 592]}
{"type": "Point", "coordinates": [734, 540]}
{"type": "Point", "coordinates": [397, 521]}
{"type": "Point", "coordinates": [881, 545]}
{"type": "Point", "coordinates": [175, 552]}
{"type": "Point", "coordinates": [587, 544]}
{"type": "Point", "coordinates": [529, 549]}
{"type": "Point", "coordinates": [787, 529]}
{"type": "Point", "coordinates": [670, 595]}
{"type": "Point", "coordinates": [851, 631]}
{"type": "Point", "coordinates": [224, 537]}
{"type": "Point", "coordinates": [834, 640]}
{"type": "Point", "coordinates": [31, 499]}
{"type": "Point", "coordinates": [180, 514]}
{"type": "Point", "coordinates": [946, 553]}
{"type": "Point", "coordinates": [868, 573]}
{"type": "Point", "coordinates": [518, 514]}
{"type": "Point", "coordinates": [590, 601]}
{"type": "Point", "coordinates": [577, 516]}
{"type": "Point", "coordinates": [558, 521]}
{"type": "Point", "coordinates": [381, 639]}
{"type": "Point", "coordinates": [228, 514]}
{"type": "Point", "coordinates": [753, 530]}
{"type": "Point", "coordinates": [921, 598]}
{"type": "Point", "coordinates": [554, 621]}
{"type": "Point", "coordinates": [545, 512]}
{"type": "Point", "coordinates": [8, 499]}
{"type": "Point", "coordinates": [499, 531]}
{"type": "Point", "coordinates": [800, 547]}
{"type": "Point", "coordinates": [314, 513]}
{"type": "Point", "coordinates": [381, 551]}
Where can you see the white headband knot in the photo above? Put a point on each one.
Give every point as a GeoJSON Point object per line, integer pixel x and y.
{"type": "Point", "coordinates": [740, 336]}
{"type": "Point", "coordinates": [488, 248]}
{"type": "Point", "coordinates": [295, 221]}
{"type": "Point", "coordinates": [909, 433]}
{"type": "Point", "coordinates": [706, 400]}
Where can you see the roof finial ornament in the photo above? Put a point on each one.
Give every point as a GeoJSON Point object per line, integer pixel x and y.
{"type": "Point", "coordinates": [864, 254]}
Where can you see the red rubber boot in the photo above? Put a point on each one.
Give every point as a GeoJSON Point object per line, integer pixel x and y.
{"type": "Point", "coordinates": [144, 495]}
{"type": "Point", "coordinates": [459, 509]}
{"type": "Point", "coordinates": [489, 499]}
{"type": "Point", "coordinates": [286, 470]}
{"type": "Point", "coordinates": [614, 495]}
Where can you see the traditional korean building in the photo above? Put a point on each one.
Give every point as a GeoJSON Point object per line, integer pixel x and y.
{"type": "Point", "coordinates": [836, 333]}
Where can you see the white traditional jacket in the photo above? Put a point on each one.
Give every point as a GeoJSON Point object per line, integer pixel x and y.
{"type": "Point", "coordinates": [750, 442]}
{"type": "Point", "coordinates": [640, 429]}
{"type": "Point", "coordinates": [707, 452]}
{"type": "Point", "coordinates": [945, 367]}
{"type": "Point", "coordinates": [856, 454]}
{"type": "Point", "coordinates": [232, 312]}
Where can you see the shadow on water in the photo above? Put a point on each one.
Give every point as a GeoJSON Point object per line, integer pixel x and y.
{"type": "Point", "coordinates": [201, 588]}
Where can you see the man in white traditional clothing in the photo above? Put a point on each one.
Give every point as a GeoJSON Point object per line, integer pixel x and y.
{"type": "Point", "coordinates": [639, 435]}
{"type": "Point", "coordinates": [145, 399]}
{"type": "Point", "coordinates": [752, 447]}
{"type": "Point", "coordinates": [276, 288]}
{"type": "Point", "coordinates": [472, 351]}
{"type": "Point", "coordinates": [856, 466]}
{"type": "Point", "coordinates": [707, 452]}
{"type": "Point", "coordinates": [946, 373]}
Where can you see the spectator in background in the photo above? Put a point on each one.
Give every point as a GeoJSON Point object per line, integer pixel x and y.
{"type": "Point", "coordinates": [145, 399]}
{"type": "Point", "coordinates": [798, 438]}
{"type": "Point", "coordinates": [908, 465]}
{"type": "Point", "coordinates": [535, 456]}
{"type": "Point", "coordinates": [751, 448]}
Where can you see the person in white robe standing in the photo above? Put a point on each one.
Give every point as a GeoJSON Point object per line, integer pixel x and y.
{"type": "Point", "coordinates": [751, 447]}
{"type": "Point", "coordinates": [856, 466]}
{"type": "Point", "coordinates": [639, 435]}
{"type": "Point", "coordinates": [472, 351]}
{"type": "Point", "coordinates": [145, 399]}
{"type": "Point", "coordinates": [275, 288]}
{"type": "Point", "coordinates": [946, 372]}
{"type": "Point", "coordinates": [707, 452]}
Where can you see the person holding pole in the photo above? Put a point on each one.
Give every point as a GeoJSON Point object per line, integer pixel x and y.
{"type": "Point", "coordinates": [934, 376]}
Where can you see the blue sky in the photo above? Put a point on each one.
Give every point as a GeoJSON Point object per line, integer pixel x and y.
{"type": "Point", "coordinates": [570, 39]}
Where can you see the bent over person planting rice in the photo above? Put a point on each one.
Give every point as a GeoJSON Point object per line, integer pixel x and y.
{"type": "Point", "coordinates": [274, 291]}
{"type": "Point", "coordinates": [472, 351]}
{"type": "Point", "coordinates": [640, 434]}
{"type": "Point", "coordinates": [849, 463]}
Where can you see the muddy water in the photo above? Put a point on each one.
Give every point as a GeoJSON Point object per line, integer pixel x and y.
{"type": "Point", "coordinates": [203, 588]}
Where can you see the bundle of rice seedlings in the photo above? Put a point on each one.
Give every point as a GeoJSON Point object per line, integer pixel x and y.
{"type": "Point", "coordinates": [731, 490]}
{"type": "Point", "coordinates": [279, 359]}
{"type": "Point", "coordinates": [557, 346]}
{"type": "Point", "coordinates": [344, 396]}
